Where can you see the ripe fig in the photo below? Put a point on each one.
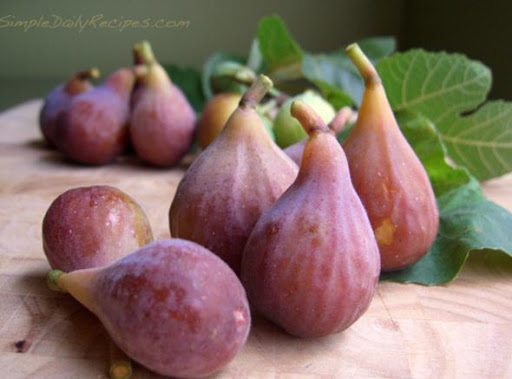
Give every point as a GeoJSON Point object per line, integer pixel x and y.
{"type": "Point", "coordinates": [215, 115]}
{"type": "Point", "coordinates": [93, 130]}
{"type": "Point", "coordinates": [287, 129]}
{"type": "Point", "coordinates": [227, 188]}
{"type": "Point", "coordinates": [59, 99]}
{"type": "Point", "coordinates": [311, 264]}
{"type": "Point", "coordinates": [93, 226]}
{"type": "Point", "coordinates": [162, 120]}
{"type": "Point", "coordinates": [389, 177]}
{"type": "Point", "coordinates": [337, 124]}
{"type": "Point", "coordinates": [172, 306]}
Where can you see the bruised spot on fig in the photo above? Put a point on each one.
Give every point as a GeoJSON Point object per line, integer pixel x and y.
{"type": "Point", "coordinates": [384, 233]}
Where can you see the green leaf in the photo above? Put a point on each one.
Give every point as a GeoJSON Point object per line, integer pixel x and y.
{"type": "Point", "coordinates": [337, 77]}
{"type": "Point", "coordinates": [189, 81]}
{"type": "Point", "coordinates": [377, 48]}
{"type": "Point", "coordinates": [482, 141]}
{"type": "Point", "coordinates": [446, 88]}
{"type": "Point", "coordinates": [334, 76]}
{"type": "Point", "coordinates": [209, 68]}
{"type": "Point", "coordinates": [468, 223]}
{"type": "Point", "coordinates": [255, 60]}
{"type": "Point", "coordinates": [423, 137]}
{"type": "Point", "coordinates": [281, 54]}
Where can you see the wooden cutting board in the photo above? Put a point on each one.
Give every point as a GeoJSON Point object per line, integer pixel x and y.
{"type": "Point", "coordinates": [463, 329]}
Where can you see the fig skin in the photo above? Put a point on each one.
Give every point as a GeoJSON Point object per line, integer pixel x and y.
{"type": "Point", "coordinates": [229, 186]}
{"type": "Point", "coordinates": [94, 128]}
{"type": "Point", "coordinates": [162, 120]}
{"type": "Point", "coordinates": [88, 227]}
{"type": "Point", "coordinates": [389, 178]}
{"type": "Point", "coordinates": [172, 306]}
{"type": "Point", "coordinates": [311, 264]}
{"type": "Point", "coordinates": [215, 115]}
{"type": "Point", "coordinates": [58, 100]}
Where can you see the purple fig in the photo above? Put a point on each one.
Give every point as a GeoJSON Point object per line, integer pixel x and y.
{"type": "Point", "coordinates": [229, 186]}
{"type": "Point", "coordinates": [58, 100]}
{"type": "Point", "coordinates": [162, 121]}
{"type": "Point", "coordinates": [172, 306]}
{"type": "Point", "coordinates": [93, 226]}
{"type": "Point", "coordinates": [94, 128]}
{"type": "Point", "coordinates": [311, 264]}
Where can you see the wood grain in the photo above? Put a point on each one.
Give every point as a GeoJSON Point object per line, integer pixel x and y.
{"type": "Point", "coordinates": [461, 330]}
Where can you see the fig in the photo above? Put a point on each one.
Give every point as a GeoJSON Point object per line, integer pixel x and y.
{"type": "Point", "coordinates": [172, 306]}
{"type": "Point", "coordinates": [162, 120]}
{"type": "Point", "coordinates": [94, 128]}
{"type": "Point", "coordinates": [232, 182]}
{"type": "Point", "coordinates": [287, 129]}
{"type": "Point", "coordinates": [59, 99]}
{"type": "Point", "coordinates": [311, 263]}
{"type": "Point", "coordinates": [94, 226]}
{"type": "Point", "coordinates": [215, 115]}
{"type": "Point", "coordinates": [337, 124]}
{"type": "Point", "coordinates": [389, 177]}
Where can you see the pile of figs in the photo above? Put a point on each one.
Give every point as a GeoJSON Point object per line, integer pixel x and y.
{"type": "Point", "coordinates": [138, 107]}
{"type": "Point", "coordinates": [302, 240]}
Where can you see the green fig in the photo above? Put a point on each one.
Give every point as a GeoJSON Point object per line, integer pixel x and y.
{"type": "Point", "coordinates": [311, 263]}
{"type": "Point", "coordinates": [287, 129]}
{"type": "Point", "coordinates": [337, 124]}
{"type": "Point", "coordinates": [389, 177]}
{"type": "Point", "coordinates": [232, 182]}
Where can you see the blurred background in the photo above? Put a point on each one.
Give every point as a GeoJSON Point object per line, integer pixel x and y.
{"type": "Point", "coordinates": [36, 58]}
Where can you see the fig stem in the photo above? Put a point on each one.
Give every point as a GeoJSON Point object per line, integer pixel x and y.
{"type": "Point", "coordinates": [341, 119]}
{"type": "Point", "coordinates": [143, 53]}
{"type": "Point", "coordinates": [256, 92]}
{"type": "Point", "coordinates": [93, 73]}
{"type": "Point", "coordinates": [120, 363]}
{"type": "Point", "coordinates": [78, 83]}
{"type": "Point", "coordinates": [52, 280]}
{"type": "Point", "coordinates": [363, 64]}
{"type": "Point", "coordinates": [308, 118]}
{"type": "Point", "coordinates": [140, 70]}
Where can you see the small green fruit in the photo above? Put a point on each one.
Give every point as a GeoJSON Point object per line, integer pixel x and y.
{"type": "Point", "coordinates": [287, 129]}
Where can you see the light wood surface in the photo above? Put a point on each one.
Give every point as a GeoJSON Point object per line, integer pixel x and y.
{"type": "Point", "coordinates": [461, 330]}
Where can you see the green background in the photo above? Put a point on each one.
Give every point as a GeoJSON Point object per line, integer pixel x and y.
{"type": "Point", "coordinates": [34, 61]}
